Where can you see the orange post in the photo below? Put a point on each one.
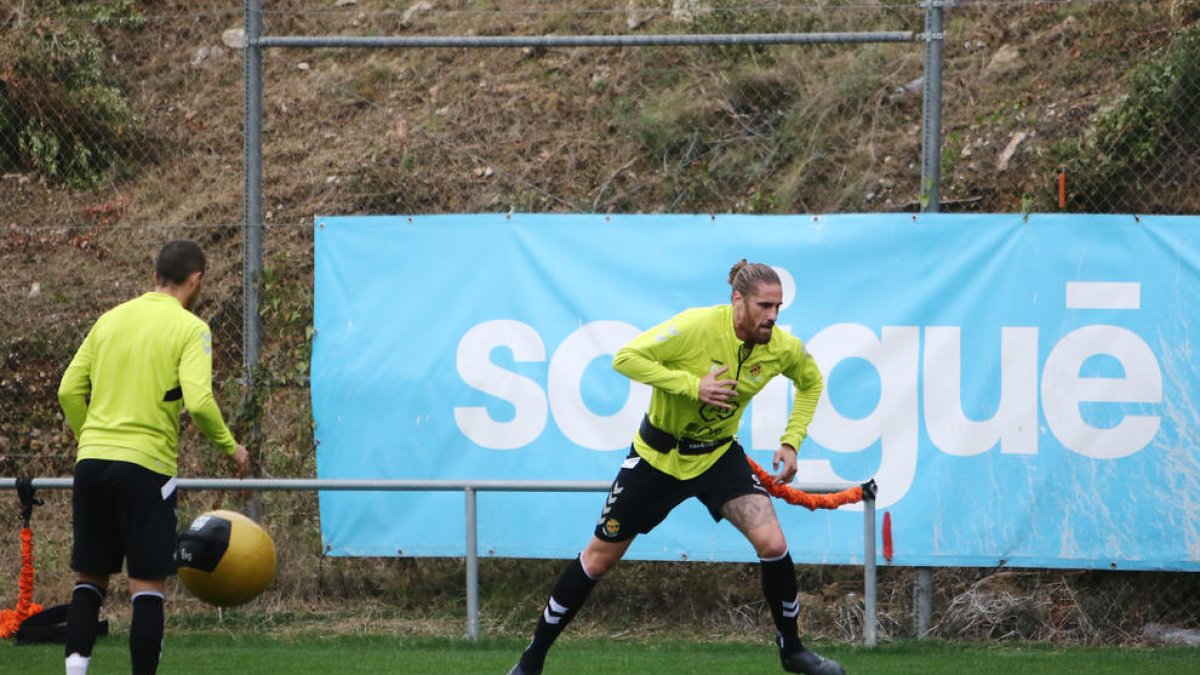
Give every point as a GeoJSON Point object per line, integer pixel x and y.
{"type": "Point", "coordinates": [1062, 188]}
{"type": "Point", "coordinates": [10, 619]}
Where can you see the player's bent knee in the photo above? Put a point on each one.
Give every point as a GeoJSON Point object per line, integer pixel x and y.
{"type": "Point", "coordinates": [773, 551]}
{"type": "Point", "coordinates": [600, 556]}
{"type": "Point", "coordinates": [769, 543]}
{"type": "Point", "coordinates": [597, 565]}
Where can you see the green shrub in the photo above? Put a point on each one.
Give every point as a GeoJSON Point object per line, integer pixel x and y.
{"type": "Point", "coordinates": [1133, 140]}
{"type": "Point", "coordinates": [61, 114]}
{"type": "Point", "coordinates": [743, 21]}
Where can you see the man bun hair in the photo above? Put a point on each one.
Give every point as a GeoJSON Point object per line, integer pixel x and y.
{"type": "Point", "coordinates": [178, 260]}
{"type": "Point", "coordinates": [746, 277]}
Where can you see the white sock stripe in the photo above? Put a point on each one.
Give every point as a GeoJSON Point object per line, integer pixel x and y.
{"type": "Point", "coordinates": [91, 586]}
{"type": "Point", "coordinates": [792, 609]}
{"type": "Point", "coordinates": [775, 559]}
{"type": "Point", "coordinates": [153, 594]}
{"type": "Point", "coordinates": [583, 567]}
{"type": "Point", "coordinates": [551, 618]}
{"type": "Point", "coordinates": [555, 607]}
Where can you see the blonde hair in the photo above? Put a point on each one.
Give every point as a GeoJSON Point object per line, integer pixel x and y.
{"type": "Point", "coordinates": [746, 277]}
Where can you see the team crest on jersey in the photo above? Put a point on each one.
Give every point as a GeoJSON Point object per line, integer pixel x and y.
{"type": "Point", "coordinates": [756, 370]}
{"type": "Point", "coordinates": [612, 526]}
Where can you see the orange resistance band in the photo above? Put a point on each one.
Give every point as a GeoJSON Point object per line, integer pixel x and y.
{"type": "Point", "coordinates": [10, 619]}
{"type": "Point", "coordinates": [811, 502]}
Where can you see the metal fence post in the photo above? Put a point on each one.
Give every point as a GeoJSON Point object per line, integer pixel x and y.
{"type": "Point", "coordinates": [923, 602]}
{"type": "Point", "coordinates": [252, 262]}
{"type": "Point", "coordinates": [252, 200]}
{"type": "Point", "coordinates": [869, 570]}
{"type": "Point", "coordinates": [472, 568]}
{"type": "Point", "coordinates": [931, 198]}
{"type": "Point", "coordinates": [931, 139]}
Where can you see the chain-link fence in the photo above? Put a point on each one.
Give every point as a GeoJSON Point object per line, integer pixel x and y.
{"type": "Point", "coordinates": [120, 127]}
{"type": "Point", "coordinates": [1085, 106]}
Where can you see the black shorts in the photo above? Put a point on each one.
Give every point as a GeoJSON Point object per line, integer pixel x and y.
{"type": "Point", "coordinates": [642, 496]}
{"type": "Point", "coordinates": [123, 511]}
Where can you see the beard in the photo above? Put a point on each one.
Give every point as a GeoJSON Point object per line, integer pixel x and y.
{"type": "Point", "coordinates": [192, 300]}
{"type": "Point", "coordinates": [762, 334]}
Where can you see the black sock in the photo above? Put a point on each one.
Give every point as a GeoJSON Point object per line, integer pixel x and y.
{"type": "Point", "coordinates": [568, 595]}
{"type": "Point", "coordinates": [779, 588]}
{"type": "Point", "coordinates": [83, 614]}
{"type": "Point", "coordinates": [146, 633]}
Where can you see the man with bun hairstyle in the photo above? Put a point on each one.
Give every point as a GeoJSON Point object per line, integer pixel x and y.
{"type": "Point", "coordinates": [704, 364]}
{"type": "Point", "coordinates": [140, 364]}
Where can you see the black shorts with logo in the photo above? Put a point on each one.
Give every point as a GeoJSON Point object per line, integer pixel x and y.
{"type": "Point", "coordinates": [123, 511]}
{"type": "Point", "coordinates": [642, 496]}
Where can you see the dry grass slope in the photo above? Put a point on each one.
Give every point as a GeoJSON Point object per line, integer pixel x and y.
{"type": "Point", "coordinates": [777, 130]}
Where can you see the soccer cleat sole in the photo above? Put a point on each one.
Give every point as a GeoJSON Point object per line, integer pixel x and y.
{"type": "Point", "coordinates": [809, 663]}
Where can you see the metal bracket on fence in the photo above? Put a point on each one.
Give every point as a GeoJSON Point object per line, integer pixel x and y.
{"type": "Point", "coordinates": [26, 493]}
{"type": "Point", "coordinates": [870, 489]}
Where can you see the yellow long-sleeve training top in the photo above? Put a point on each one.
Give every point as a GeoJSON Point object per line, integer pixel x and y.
{"type": "Point", "coordinates": [673, 356]}
{"type": "Point", "coordinates": [139, 365]}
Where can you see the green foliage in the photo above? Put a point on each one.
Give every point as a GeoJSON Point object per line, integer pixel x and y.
{"type": "Point", "coordinates": [743, 21]}
{"type": "Point", "coordinates": [372, 83]}
{"type": "Point", "coordinates": [758, 138]}
{"type": "Point", "coordinates": [287, 312]}
{"type": "Point", "coordinates": [951, 151]}
{"type": "Point", "coordinates": [1133, 139]}
{"type": "Point", "coordinates": [715, 148]}
{"type": "Point", "coordinates": [926, 196]}
{"type": "Point", "coordinates": [113, 14]}
{"type": "Point", "coordinates": [1028, 204]}
{"type": "Point", "coordinates": [673, 127]}
{"type": "Point", "coordinates": [60, 110]}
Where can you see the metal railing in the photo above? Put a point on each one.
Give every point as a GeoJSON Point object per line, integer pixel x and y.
{"type": "Point", "coordinates": [470, 489]}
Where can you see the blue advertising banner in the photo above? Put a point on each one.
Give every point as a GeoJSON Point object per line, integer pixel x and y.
{"type": "Point", "coordinates": [1024, 390]}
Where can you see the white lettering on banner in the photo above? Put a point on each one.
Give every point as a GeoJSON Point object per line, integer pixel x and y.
{"type": "Point", "coordinates": [895, 354]}
{"type": "Point", "coordinates": [564, 383]}
{"type": "Point", "coordinates": [578, 423]}
{"type": "Point", "coordinates": [1103, 295]}
{"type": "Point", "coordinates": [893, 422]}
{"type": "Point", "coordinates": [1063, 390]}
{"type": "Point", "coordinates": [476, 369]}
{"type": "Point", "coordinates": [1015, 423]}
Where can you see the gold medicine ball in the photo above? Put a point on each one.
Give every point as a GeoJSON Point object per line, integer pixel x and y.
{"type": "Point", "coordinates": [225, 559]}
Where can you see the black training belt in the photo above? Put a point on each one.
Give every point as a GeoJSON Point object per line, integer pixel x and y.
{"type": "Point", "coordinates": [664, 442]}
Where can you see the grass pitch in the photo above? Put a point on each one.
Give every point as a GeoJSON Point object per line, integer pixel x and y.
{"type": "Point", "coordinates": [217, 652]}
